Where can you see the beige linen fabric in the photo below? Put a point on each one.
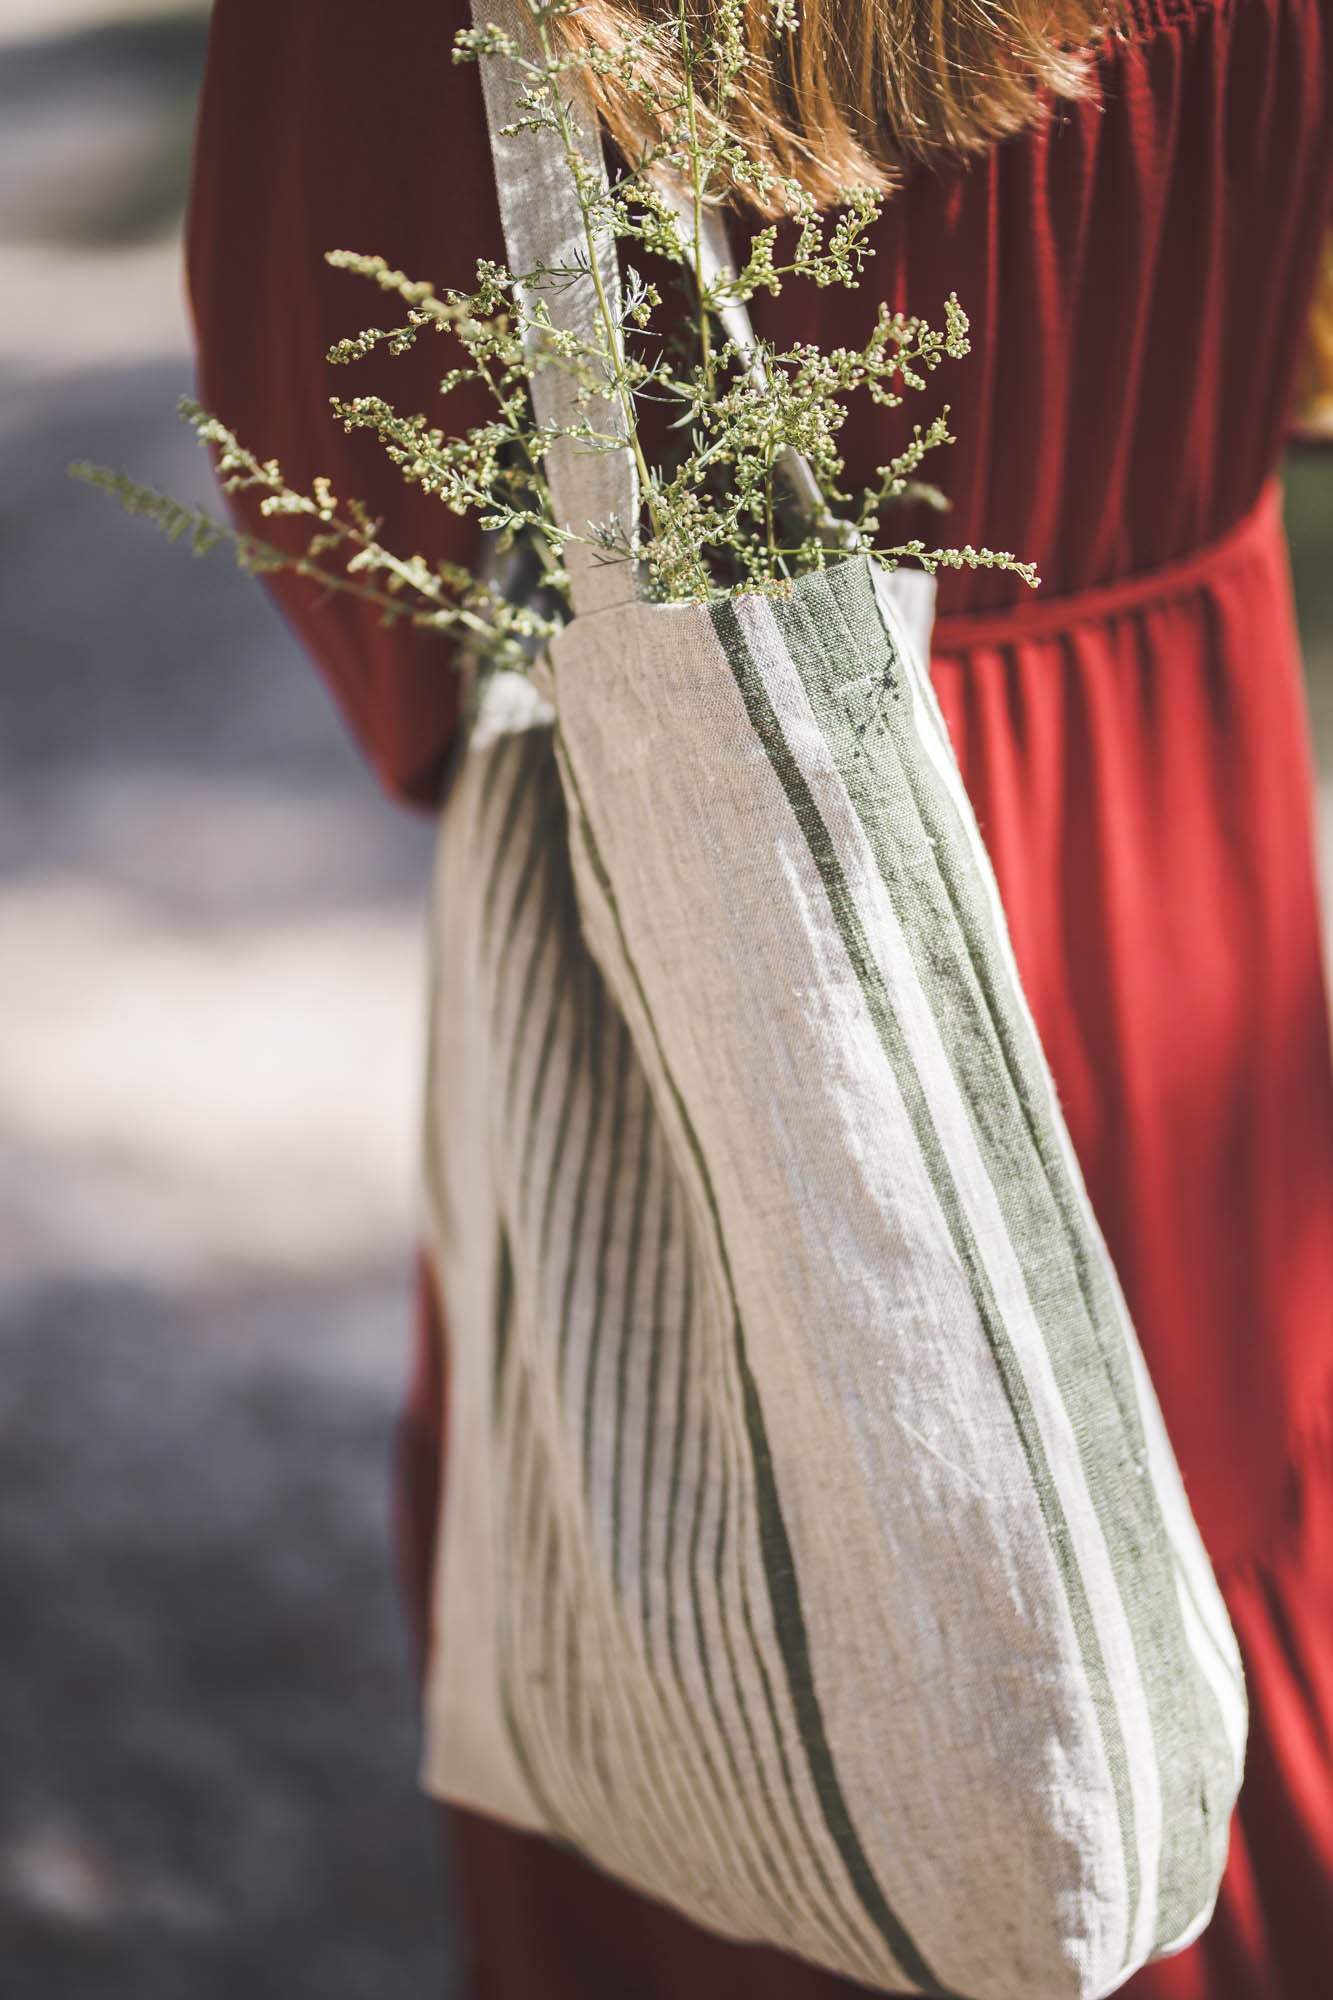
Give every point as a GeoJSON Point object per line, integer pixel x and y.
{"type": "Point", "coordinates": [814, 1557]}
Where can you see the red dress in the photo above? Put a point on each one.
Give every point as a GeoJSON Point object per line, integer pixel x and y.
{"type": "Point", "coordinates": [1137, 275]}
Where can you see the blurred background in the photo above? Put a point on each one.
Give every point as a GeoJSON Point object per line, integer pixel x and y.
{"type": "Point", "coordinates": [210, 997]}
{"type": "Point", "coordinates": [210, 994]}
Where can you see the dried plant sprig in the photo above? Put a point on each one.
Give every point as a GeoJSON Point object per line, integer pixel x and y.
{"type": "Point", "coordinates": [720, 514]}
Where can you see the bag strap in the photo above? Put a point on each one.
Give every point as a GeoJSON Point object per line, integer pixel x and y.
{"type": "Point", "coordinates": [544, 231]}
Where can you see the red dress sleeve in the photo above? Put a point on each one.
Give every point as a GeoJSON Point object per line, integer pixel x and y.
{"type": "Point", "coordinates": [326, 124]}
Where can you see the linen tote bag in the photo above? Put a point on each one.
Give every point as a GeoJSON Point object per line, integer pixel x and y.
{"type": "Point", "coordinates": [813, 1555]}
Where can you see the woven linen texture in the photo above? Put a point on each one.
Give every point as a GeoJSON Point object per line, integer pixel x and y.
{"type": "Point", "coordinates": [814, 1556]}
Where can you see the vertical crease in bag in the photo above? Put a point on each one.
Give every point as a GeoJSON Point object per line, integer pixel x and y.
{"type": "Point", "coordinates": [814, 1557]}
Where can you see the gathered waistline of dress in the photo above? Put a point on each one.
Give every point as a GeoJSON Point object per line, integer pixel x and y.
{"type": "Point", "coordinates": [1048, 617]}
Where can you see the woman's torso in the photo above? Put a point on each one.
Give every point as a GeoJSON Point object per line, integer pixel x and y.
{"type": "Point", "coordinates": [1137, 275]}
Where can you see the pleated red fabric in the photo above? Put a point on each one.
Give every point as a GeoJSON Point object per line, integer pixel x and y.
{"type": "Point", "coordinates": [1134, 738]}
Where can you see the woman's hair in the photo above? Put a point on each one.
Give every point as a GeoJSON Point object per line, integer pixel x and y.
{"type": "Point", "coordinates": [857, 90]}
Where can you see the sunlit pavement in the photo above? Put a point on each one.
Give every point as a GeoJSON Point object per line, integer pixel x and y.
{"type": "Point", "coordinates": [210, 985]}
{"type": "Point", "coordinates": [210, 994]}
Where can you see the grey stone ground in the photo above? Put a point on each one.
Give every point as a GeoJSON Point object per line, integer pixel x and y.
{"type": "Point", "coordinates": [209, 1003]}
{"type": "Point", "coordinates": [209, 1000]}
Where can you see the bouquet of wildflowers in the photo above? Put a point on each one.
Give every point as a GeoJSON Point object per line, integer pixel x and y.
{"type": "Point", "coordinates": [749, 492]}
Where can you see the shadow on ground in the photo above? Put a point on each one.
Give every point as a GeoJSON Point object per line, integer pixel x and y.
{"type": "Point", "coordinates": [208, 1733]}
{"type": "Point", "coordinates": [95, 129]}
